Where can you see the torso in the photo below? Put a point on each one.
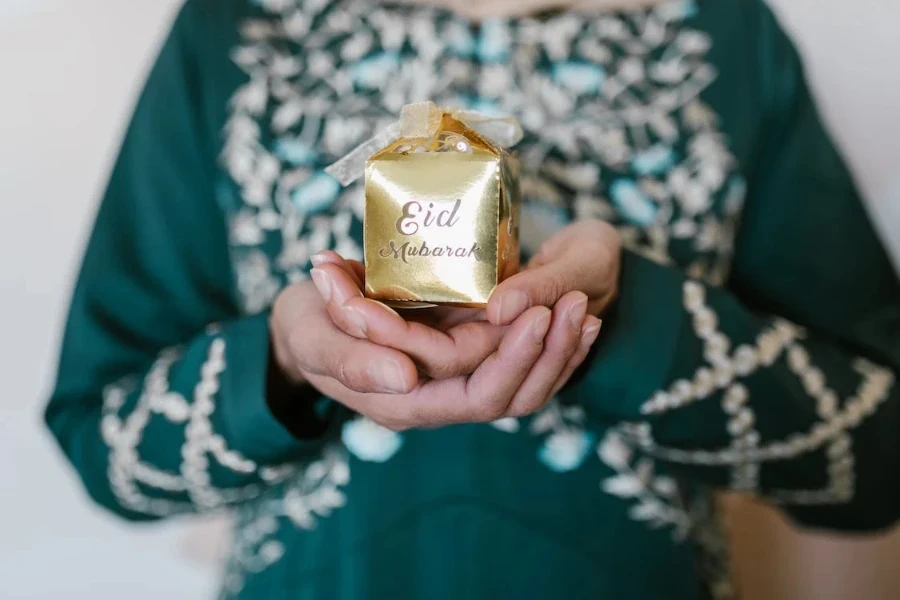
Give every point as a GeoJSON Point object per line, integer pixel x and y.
{"type": "Point", "coordinates": [616, 128]}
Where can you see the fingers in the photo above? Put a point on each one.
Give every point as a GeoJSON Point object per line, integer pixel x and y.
{"type": "Point", "coordinates": [354, 269]}
{"type": "Point", "coordinates": [492, 387]}
{"type": "Point", "coordinates": [540, 347]}
{"type": "Point", "coordinates": [543, 286]}
{"type": "Point", "coordinates": [560, 346]}
{"type": "Point", "coordinates": [589, 332]}
{"type": "Point", "coordinates": [483, 397]}
{"type": "Point", "coordinates": [356, 364]}
{"type": "Point", "coordinates": [337, 287]}
{"type": "Point", "coordinates": [308, 342]}
{"type": "Point", "coordinates": [438, 354]}
{"type": "Point", "coordinates": [583, 257]}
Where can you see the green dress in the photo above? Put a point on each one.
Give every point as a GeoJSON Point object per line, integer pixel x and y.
{"type": "Point", "coordinates": [754, 346]}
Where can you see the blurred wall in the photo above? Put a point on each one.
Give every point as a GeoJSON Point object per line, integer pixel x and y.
{"type": "Point", "coordinates": [68, 71]}
{"type": "Point", "coordinates": [68, 77]}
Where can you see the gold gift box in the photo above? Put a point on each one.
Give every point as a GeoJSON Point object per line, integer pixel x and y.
{"type": "Point", "coordinates": [441, 219]}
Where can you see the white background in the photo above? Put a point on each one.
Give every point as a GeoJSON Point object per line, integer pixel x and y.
{"type": "Point", "coordinates": [68, 76]}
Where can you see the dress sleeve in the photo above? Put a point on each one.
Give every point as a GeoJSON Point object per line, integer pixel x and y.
{"type": "Point", "coordinates": [783, 382]}
{"type": "Point", "coordinates": [160, 401]}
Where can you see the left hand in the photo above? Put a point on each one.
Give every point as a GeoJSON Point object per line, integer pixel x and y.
{"type": "Point", "coordinates": [585, 256]}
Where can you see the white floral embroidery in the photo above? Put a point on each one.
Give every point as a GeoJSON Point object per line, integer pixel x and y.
{"type": "Point", "coordinates": [255, 282]}
{"type": "Point", "coordinates": [122, 429]}
{"type": "Point", "coordinates": [655, 498]}
{"type": "Point", "coordinates": [252, 551]}
{"type": "Point", "coordinates": [312, 492]}
{"type": "Point", "coordinates": [605, 107]}
{"type": "Point", "coordinates": [746, 452]}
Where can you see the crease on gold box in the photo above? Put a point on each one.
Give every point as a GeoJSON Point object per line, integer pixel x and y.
{"type": "Point", "coordinates": [441, 218]}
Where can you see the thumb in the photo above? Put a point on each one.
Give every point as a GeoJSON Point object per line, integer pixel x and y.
{"type": "Point", "coordinates": [541, 286]}
{"type": "Point", "coordinates": [582, 257]}
{"type": "Point", "coordinates": [553, 278]}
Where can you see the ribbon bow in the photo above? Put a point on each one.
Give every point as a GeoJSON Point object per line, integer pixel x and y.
{"type": "Point", "coordinates": [423, 120]}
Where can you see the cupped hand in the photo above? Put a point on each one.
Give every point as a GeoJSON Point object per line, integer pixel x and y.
{"type": "Point", "coordinates": [382, 383]}
{"type": "Point", "coordinates": [472, 371]}
{"type": "Point", "coordinates": [306, 343]}
{"type": "Point", "coordinates": [442, 341]}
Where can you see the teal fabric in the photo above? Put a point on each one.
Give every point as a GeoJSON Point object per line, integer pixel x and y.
{"type": "Point", "coordinates": [754, 345]}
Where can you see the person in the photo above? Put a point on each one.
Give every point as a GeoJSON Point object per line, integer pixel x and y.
{"type": "Point", "coordinates": [678, 184]}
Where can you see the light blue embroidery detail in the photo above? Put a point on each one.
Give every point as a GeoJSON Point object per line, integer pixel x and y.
{"type": "Point", "coordinates": [369, 441]}
{"type": "Point", "coordinates": [579, 77]}
{"type": "Point", "coordinates": [295, 152]}
{"type": "Point", "coordinates": [495, 41]}
{"type": "Point", "coordinates": [681, 9]}
{"type": "Point", "coordinates": [461, 41]}
{"type": "Point", "coordinates": [373, 72]}
{"type": "Point", "coordinates": [316, 193]}
{"type": "Point", "coordinates": [485, 107]}
{"type": "Point", "coordinates": [655, 160]}
{"type": "Point", "coordinates": [565, 451]}
{"type": "Point", "coordinates": [737, 193]}
{"type": "Point", "coordinates": [634, 205]}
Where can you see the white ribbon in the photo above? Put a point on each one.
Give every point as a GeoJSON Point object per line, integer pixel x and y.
{"type": "Point", "coordinates": [423, 120]}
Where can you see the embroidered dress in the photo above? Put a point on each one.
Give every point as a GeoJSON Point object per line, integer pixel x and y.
{"type": "Point", "coordinates": [755, 344]}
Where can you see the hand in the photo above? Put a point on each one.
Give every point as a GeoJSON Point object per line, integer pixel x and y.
{"type": "Point", "coordinates": [443, 341]}
{"type": "Point", "coordinates": [492, 372]}
{"type": "Point", "coordinates": [305, 341]}
{"type": "Point", "coordinates": [585, 256]}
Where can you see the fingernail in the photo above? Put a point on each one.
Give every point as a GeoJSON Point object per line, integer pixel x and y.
{"type": "Point", "coordinates": [589, 336]}
{"type": "Point", "coordinates": [389, 375]}
{"type": "Point", "coordinates": [513, 304]}
{"type": "Point", "coordinates": [576, 313]}
{"type": "Point", "coordinates": [540, 327]}
{"type": "Point", "coordinates": [357, 319]}
{"type": "Point", "coordinates": [317, 260]}
{"type": "Point", "coordinates": [323, 283]}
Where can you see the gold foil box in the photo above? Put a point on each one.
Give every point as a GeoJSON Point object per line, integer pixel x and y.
{"type": "Point", "coordinates": [441, 218]}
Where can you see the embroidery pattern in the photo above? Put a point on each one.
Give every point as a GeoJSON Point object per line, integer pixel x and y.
{"type": "Point", "coordinates": [313, 94]}
{"type": "Point", "coordinates": [567, 444]}
{"type": "Point", "coordinates": [656, 498]}
{"type": "Point", "coordinates": [746, 454]}
{"type": "Point", "coordinates": [622, 99]}
{"type": "Point", "coordinates": [369, 441]}
{"type": "Point", "coordinates": [313, 492]}
{"type": "Point", "coordinates": [123, 429]}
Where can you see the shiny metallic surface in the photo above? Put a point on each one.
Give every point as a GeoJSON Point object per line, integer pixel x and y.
{"type": "Point", "coordinates": [441, 225]}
